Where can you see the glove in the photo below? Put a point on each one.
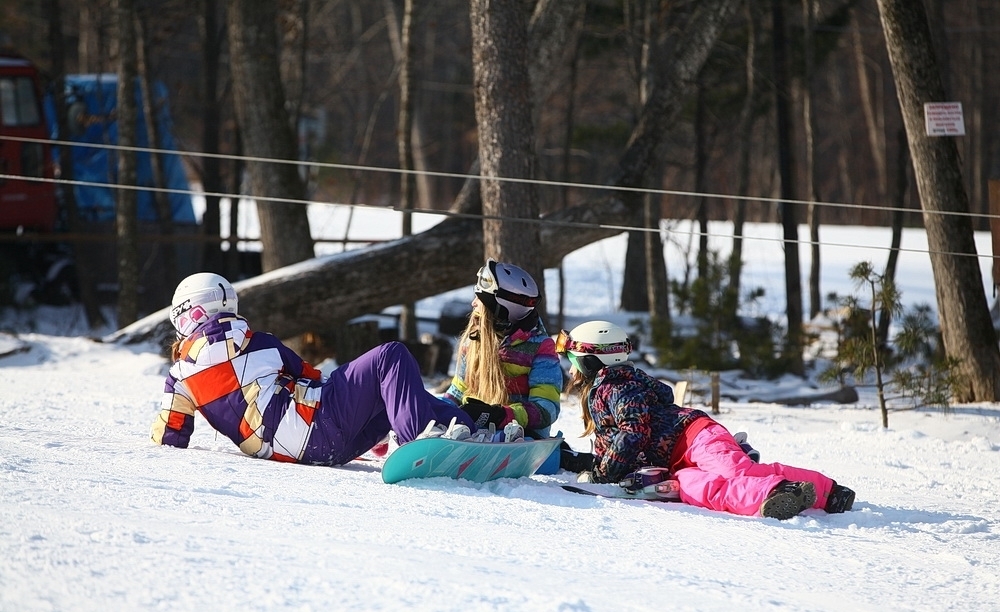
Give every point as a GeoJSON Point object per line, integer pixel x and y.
{"type": "Point", "coordinates": [644, 477]}
{"type": "Point", "coordinates": [585, 477]}
{"type": "Point", "coordinates": [484, 414]}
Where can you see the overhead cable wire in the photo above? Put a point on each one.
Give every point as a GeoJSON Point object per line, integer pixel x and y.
{"type": "Point", "coordinates": [464, 176]}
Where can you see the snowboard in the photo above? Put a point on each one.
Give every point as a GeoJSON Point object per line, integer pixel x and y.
{"type": "Point", "coordinates": [475, 461]}
{"type": "Point", "coordinates": [666, 491]}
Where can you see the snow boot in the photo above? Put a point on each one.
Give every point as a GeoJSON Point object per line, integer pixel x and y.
{"type": "Point", "coordinates": [841, 499]}
{"type": "Point", "coordinates": [574, 461]}
{"type": "Point", "coordinates": [788, 499]}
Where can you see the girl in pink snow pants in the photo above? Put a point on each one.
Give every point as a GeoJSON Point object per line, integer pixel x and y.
{"type": "Point", "coordinates": [636, 423]}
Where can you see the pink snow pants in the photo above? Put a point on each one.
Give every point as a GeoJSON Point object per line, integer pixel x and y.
{"type": "Point", "coordinates": [717, 474]}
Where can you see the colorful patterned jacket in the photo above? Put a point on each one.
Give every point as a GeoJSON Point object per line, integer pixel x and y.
{"type": "Point", "coordinates": [248, 386]}
{"type": "Point", "coordinates": [534, 379]}
{"type": "Point", "coordinates": [637, 423]}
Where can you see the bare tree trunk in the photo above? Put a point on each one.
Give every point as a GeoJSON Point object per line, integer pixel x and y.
{"type": "Point", "coordinates": [267, 133]}
{"type": "Point", "coordinates": [234, 268]}
{"type": "Point", "coordinates": [745, 130]}
{"type": "Point", "coordinates": [793, 280]}
{"type": "Point", "coordinates": [567, 148]}
{"type": "Point", "coordinates": [211, 171]}
{"type": "Point", "coordinates": [161, 200]}
{"type": "Point", "coordinates": [966, 327]}
{"type": "Point", "coordinates": [700, 179]}
{"type": "Point", "coordinates": [125, 202]}
{"type": "Point", "coordinates": [404, 140]}
{"type": "Point", "coordinates": [634, 294]}
{"type": "Point", "coordinates": [657, 283]}
{"type": "Point", "coordinates": [813, 214]}
{"type": "Point", "coordinates": [978, 190]}
{"type": "Point", "coordinates": [902, 181]}
{"type": "Point", "coordinates": [990, 14]}
{"type": "Point", "coordinates": [82, 264]}
{"type": "Point", "coordinates": [874, 118]}
{"type": "Point", "coordinates": [835, 84]}
{"type": "Point", "coordinates": [506, 136]}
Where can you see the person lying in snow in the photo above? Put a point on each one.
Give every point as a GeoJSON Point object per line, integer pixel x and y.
{"type": "Point", "coordinates": [272, 404]}
{"type": "Point", "coordinates": [636, 423]}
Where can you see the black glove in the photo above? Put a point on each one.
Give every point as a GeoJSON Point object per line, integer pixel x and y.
{"type": "Point", "coordinates": [574, 461]}
{"type": "Point", "coordinates": [484, 414]}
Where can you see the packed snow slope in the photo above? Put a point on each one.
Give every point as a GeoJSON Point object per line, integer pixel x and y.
{"type": "Point", "coordinates": [98, 518]}
{"type": "Point", "coordinates": [95, 517]}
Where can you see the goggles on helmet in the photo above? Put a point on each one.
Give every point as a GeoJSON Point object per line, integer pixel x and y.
{"type": "Point", "coordinates": [566, 344]}
{"type": "Point", "coordinates": [486, 281]}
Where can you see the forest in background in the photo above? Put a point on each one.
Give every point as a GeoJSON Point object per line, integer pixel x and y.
{"type": "Point", "coordinates": [686, 109]}
{"type": "Point", "coordinates": [339, 78]}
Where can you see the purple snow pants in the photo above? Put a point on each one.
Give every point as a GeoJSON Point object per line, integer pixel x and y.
{"type": "Point", "coordinates": [378, 391]}
{"type": "Point", "coordinates": [720, 476]}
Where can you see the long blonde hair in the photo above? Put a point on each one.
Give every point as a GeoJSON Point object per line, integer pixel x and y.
{"type": "Point", "coordinates": [484, 375]}
{"type": "Point", "coordinates": [583, 384]}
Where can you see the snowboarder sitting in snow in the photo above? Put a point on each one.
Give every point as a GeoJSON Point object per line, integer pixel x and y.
{"type": "Point", "coordinates": [272, 404]}
{"type": "Point", "coordinates": [636, 423]}
{"type": "Point", "coordinates": [507, 370]}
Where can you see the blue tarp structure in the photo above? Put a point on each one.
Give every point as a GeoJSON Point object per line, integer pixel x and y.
{"type": "Point", "coordinates": [93, 102]}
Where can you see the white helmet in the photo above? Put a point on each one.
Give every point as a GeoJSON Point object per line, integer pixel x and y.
{"type": "Point", "coordinates": [595, 344]}
{"type": "Point", "coordinates": [197, 298]}
{"type": "Point", "coordinates": [508, 292]}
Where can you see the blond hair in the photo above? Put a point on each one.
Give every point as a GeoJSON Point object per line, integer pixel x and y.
{"type": "Point", "coordinates": [582, 384]}
{"type": "Point", "coordinates": [485, 378]}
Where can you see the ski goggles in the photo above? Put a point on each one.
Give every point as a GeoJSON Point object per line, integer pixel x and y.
{"type": "Point", "coordinates": [566, 344]}
{"type": "Point", "coordinates": [486, 280]}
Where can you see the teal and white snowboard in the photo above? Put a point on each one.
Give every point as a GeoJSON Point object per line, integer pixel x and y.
{"type": "Point", "coordinates": [475, 461]}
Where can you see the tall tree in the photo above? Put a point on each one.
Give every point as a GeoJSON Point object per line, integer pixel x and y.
{"type": "Point", "coordinates": [503, 99]}
{"type": "Point", "coordinates": [267, 133]}
{"type": "Point", "coordinates": [966, 327]}
{"type": "Point", "coordinates": [150, 107]}
{"type": "Point", "coordinates": [126, 223]}
{"type": "Point", "coordinates": [789, 225]}
{"type": "Point", "coordinates": [657, 285]}
{"type": "Point", "coordinates": [404, 139]}
{"type": "Point", "coordinates": [211, 169]}
{"type": "Point", "coordinates": [645, 283]}
{"type": "Point", "coordinates": [84, 269]}
{"type": "Point", "coordinates": [808, 125]}
{"type": "Point", "coordinates": [745, 131]}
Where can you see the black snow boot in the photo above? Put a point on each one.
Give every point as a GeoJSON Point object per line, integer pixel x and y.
{"type": "Point", "coordinates": [788, 499]}
{"type": "Point", "coordinates": [574, 461]}
{"type": "Point", "coordinates": [841, 499]}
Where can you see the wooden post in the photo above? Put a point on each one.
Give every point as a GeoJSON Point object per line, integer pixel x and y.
{"type": "Point", "coordinates": [715, 393]}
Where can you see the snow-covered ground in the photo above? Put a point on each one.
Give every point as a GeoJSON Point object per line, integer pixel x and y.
{"type": "Point", "coordinates": [94, 517]}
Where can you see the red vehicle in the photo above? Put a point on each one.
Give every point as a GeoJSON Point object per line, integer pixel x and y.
{"type": "Point", "coordinates": [24, 203]}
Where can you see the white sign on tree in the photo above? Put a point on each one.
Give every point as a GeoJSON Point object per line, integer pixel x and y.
{"type": "Point", "coordinates": [944, 119]}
